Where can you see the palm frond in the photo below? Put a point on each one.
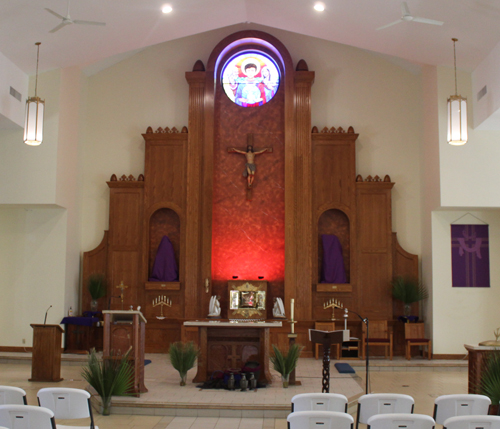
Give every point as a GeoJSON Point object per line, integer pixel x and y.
{"type": "Point", "coordinates": [183, 356]}
{"type": "Point", "coordinates": [490, 379]}
{"type": "Point", "coordinates": [111, 376]}
{"type": "Point", "coordinates": [285, 364]}
{"type": "Point", "coordinates": [96, 284]}
{"type": "Point", "coordinates": [408, 290]}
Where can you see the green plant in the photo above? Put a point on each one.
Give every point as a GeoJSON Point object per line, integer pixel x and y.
{"type": "Point", "coordinates": [408, 290]}
{"type": "Point", "coordinates": [183, 357]}
{"type": "Point", "coordinates": [285, 364]}
{"type": "Point", "coordinates": [96, 285]}
{"type": "Point", "coordinates": [109, 377]}
{"type": "Point", "coordinates": [489, 384]}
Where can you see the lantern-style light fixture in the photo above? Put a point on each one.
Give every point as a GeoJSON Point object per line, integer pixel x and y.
{"type": "Point", "coordinates": [33, 124]}
{"type": "Point", "coordinates": [457, 113]}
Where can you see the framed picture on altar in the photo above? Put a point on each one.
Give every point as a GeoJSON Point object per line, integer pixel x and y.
{"type": "Point", "coordinates": [247, 299]}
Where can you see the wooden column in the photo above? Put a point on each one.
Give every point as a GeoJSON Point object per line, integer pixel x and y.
{"type": "Point", "coordinates": [192, 295]}
{"type": "Point", "coordinates": [303, 195]}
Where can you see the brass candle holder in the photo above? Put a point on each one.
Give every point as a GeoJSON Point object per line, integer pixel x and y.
{"type": "Point", "coordinates": [333, 304]}
{"type": "Point", "coordinates": [162, 301]}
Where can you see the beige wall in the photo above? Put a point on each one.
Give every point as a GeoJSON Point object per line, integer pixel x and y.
{"type": "Point", "coordinates": [32, 270]}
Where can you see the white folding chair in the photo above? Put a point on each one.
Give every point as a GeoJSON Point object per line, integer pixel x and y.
{"type": "Point", "coordinates": [319, 402]}
{"type": "Point", "coordinates": [401, 421]}
{"type": "Point", "coordinates": [319, 420]}
{"type": "Point", "coordinates": [12, 395]}
{"type": "Point", "coordinates": [67, 404]}
{"type": "Point", "coordinates": [372, 404]}
{"type": "Point", "coordinates": [26, 417]}
{"type": "Point", "coordinates": [472, 422]}
{"type": "Point", "coordinates": [447, 406]}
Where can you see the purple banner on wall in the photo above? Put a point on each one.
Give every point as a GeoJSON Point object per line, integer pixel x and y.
{"type": "Point", "coordinates": [470, 256]}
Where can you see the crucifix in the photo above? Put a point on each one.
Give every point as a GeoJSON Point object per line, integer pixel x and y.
{"type": "Point", "coordinates": [250, 154]}
{"type": "Point", "coordinates": [122, 287]}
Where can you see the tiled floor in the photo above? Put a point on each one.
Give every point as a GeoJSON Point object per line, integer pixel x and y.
{"type": "Point", "coordinates": [243, 410]}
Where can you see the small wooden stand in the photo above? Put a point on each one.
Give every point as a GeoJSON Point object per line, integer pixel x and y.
{"type": "Point", "coordinates": [46, 357]}
{"type": "Point", "coordinates": [327, 339]}
{"type": "Point", "coordinates": [291, 380]}
{"type": "Point", "coordinates": [123, 329]}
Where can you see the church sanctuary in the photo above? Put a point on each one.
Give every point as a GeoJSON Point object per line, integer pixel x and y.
{"type": "Point", "coordinates": [248, 176]}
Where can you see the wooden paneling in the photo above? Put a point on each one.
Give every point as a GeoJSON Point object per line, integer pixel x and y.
{"type": "Point", "coordinates": [374, 218]}
{"type": "Point", "coordinates": [406, 265]}
{"type": "Point", "coordinates": [159, 335]}
{"type": "Point", "coordinates": [124, 267]}
{"type": "Point", "coordinates": [94, 262]}
{"type": "Point", "coordinates": [166, 169]}
{"type": "Point", "coordinates": [125, 216]}
{"type": "Point", "coordinates": [334, 169]}
{"type": "Point", "coordinates": [374, 254]}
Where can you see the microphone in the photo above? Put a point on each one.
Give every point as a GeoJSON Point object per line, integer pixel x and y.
{"type": "Point", "coordinates": [45, 321]}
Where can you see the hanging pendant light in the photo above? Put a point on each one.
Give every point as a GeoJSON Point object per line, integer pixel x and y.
{"type": "Point", "coordinates": [457, 113]}
{"type": "Point", "coordinates": [33, 124]}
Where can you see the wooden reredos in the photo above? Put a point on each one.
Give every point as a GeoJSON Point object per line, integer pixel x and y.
{"type": "Point", "coordinates": [192, 191]}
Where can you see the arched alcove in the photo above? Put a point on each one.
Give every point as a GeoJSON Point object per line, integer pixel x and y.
{"type": "Point", "coordinates": [335, 222]}
{"type": "Point", "coordinates": [163, 222]}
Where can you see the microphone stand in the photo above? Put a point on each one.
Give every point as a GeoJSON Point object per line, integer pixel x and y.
{"type": "Point", "coordinates": [367, 323]}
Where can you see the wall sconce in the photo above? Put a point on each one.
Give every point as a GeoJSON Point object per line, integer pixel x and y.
{"type": "Point", "coordinates": [33, 124]}
{"type": "Point", "coordinates": [457, 113]}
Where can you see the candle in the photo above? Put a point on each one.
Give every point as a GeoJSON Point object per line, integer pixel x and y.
{"type": "Point", "coordinates": [291, 308]}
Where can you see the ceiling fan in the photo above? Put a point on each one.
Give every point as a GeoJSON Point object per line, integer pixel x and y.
{"type": "Point", "coordinates": [407, 16]}
{"type": "Point", "coordinates": [66, 20]}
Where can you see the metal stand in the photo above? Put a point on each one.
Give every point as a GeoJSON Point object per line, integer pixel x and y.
{"type": "Point", "coordinates": [326, 368]}
{"type": "Point", "coordinates": [367, 323]}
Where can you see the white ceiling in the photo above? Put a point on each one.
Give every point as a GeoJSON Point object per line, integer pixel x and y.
{"type": "Point", "coordinates": [136, 24]}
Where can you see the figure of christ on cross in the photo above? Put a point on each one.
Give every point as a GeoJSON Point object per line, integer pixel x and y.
{"type": "Point", "coordinates": [250, 154]}
{"type": "Point", "coordinates": [122, 287]}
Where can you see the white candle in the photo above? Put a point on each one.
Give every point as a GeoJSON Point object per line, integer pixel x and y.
{"type": "Point", "coordinates": [291, 308]}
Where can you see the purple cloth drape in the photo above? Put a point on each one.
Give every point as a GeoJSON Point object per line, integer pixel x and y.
{"type": "Point", "coordinates": [333, 270]}
{"type": "Point", "coordinates": [165, 267]}
{"type": "Point", "coordinates": [470, 256]}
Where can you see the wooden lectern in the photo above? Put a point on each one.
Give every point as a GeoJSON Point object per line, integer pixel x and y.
{"type": "Point", "coordinates": [327, 338]}
{"type": "Point", "coordinates": [46, 356]}
{"type": "Point", "coordinates": [123, 329]}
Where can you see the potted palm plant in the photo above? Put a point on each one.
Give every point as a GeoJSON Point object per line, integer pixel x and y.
{"type": "Point", "coordinates": [96, 285]}
{"type": "Point", "coordinates": [183, 357]}
{"type": "Point", "coordinates": [408, 290]}
{"type": "Point", "coordinates": [109, 377]}
{"type": "Point", "coordinates": [285, 364]}
{"type": "Point", "coordinates": [489, 384]}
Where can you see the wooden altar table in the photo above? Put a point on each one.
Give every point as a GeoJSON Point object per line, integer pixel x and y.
{"type": "Point", "coordinates": [229, 345]}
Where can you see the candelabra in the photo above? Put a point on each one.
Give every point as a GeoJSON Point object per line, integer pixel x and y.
{"type": "Point", "coordinates": [162, 301]}
{"type": "Point", "coordinates": [333, 304]}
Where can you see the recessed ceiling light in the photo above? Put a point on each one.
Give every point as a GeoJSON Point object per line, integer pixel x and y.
{"type": "Point", "coordinates": [166, 9]}
{"type": "Point", "coordinates": [320, 7]}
